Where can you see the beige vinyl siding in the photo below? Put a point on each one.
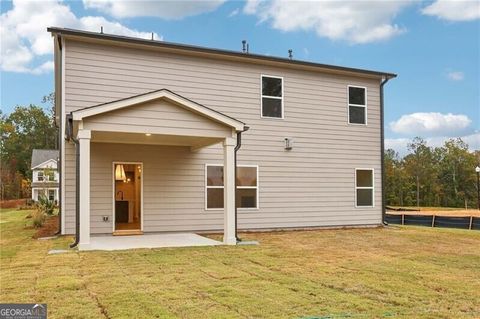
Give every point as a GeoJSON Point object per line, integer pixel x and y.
{"type": "Point", "coordinates": [311, 185]}
{"type": "Point", "coordinates": [156, 117]}
{"type": "Point", "coordinates": [173, 183]}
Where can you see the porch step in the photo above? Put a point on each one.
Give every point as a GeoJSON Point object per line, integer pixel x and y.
{"type": "Point", "coordinates": [127, 232]}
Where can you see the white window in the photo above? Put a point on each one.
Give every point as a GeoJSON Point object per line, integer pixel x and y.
{"type": "Point", "coordinates": [50, 176]}
{"type": "Point", "coordinates": [40, 176]}
{"type": "Point", "coordinates": [51, 194]}
{"type": "Point", "coordinates": [214, 186]}
{"type": "Point", "coordinates": [364, 187]}
{"type": "Point", "coordinates": [247, 186]}
{"type": "Point", "coordinates": [272, 96]}
{"type": "Point", "coordinates": [357, 105]}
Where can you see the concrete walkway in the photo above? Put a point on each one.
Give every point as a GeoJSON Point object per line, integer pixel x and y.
{"type": "Point", "coordinates": [150, 241]}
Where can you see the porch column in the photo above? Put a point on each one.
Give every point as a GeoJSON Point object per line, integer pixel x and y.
{"type": "Point", "coordinates": [229, 191]}
{"type": "Point", "coordinates": [84, 140]}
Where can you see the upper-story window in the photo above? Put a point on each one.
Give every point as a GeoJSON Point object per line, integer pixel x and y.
{"type": "Point", "coordinates": [357, 105]}
{"type": "Point", "coordinates": [48, 176]}
{"type": "Point", "coordinates": [272, 96]}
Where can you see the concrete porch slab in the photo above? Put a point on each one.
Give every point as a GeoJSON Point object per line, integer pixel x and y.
{"type": "Point", "coordinates": [149, 241]}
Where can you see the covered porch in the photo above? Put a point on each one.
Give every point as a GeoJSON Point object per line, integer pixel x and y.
{"type": "Point", "coordinates": [161, 122]}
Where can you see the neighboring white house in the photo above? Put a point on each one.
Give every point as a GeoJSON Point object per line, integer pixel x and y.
{"type": "Point", "coordinates": [45, 174]}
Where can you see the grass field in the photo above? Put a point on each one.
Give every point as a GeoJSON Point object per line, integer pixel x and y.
{"type": "Point", "coordinates": [395, 272]}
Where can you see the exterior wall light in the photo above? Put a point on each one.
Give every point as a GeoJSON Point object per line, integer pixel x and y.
{"type": "Point", "coordinates": [288, 143]}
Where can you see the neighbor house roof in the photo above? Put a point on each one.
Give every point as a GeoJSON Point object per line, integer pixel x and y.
{"type": "Point", "coordinates": [42, 156]}
{"type": "Point", "coordinates": [211, 52]}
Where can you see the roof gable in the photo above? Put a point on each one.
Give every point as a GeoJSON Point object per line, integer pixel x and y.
{"type": "Point", "coordinates": [50, 164]}
{"type": "Point", "coordinates": [179, 100]}
{"type": "Point", "coordinates": [40, 157]}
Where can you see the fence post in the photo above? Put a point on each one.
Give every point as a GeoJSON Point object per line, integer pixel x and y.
{"type": "Point", "coordinates": [433, 220]}
{"type": "Point", "coordinates": [403, 219]}
{"type": "Point", "coordinates": [471, 222]}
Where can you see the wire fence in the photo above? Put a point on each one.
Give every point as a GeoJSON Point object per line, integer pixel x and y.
{"type": "Point", "coordinates": [463, 222]}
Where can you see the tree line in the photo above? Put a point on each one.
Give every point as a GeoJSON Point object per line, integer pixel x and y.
{"type": "Point", "coordinates": [26, 128]}
{"type": "Point", "coordinates": [432, 176]}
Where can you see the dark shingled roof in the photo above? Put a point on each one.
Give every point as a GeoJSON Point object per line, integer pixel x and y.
{"type": "Point", "coordinates": [41, 156]}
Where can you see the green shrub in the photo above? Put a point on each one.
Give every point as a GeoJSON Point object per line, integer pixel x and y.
{"type": "Point", "coordinates": [46, 205]}
{"type": "Point", "coordinates": [38, 218]}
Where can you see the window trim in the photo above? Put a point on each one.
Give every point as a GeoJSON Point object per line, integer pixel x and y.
{"type": "Point", "coordinates": [38, 177]}
{"type": "Point", "coordinates": [48, 194]}
{"type": "Point", "coordinates": [365, 187]}
{"type": "Point", "coordinates": [358, 105]}
{"type": "Point", "coordinates": [239, 187]}
{"type": "Point", "coordinates": [272, 97]}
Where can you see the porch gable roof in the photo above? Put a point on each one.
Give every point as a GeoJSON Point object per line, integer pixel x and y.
{"type": "Point", "coordinates": [187, 104]}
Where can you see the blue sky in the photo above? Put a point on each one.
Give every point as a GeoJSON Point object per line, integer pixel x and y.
{"type": "Point", "coordinates": [433, 46]}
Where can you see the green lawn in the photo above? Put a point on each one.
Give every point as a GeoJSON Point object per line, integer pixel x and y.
{"type": "Point", "coordinates": [407, 272]}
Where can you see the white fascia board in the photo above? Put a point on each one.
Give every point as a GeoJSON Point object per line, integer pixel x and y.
{"type": "Point", "coordinates": [189, 105]}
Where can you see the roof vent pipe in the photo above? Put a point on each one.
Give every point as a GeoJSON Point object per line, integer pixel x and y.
{"type": "Point", "coordinates": [152, 36]}
{"type": "Point", "coordinates": [101, 29]}
{"type": "Point", "coordinates": [290, 54]}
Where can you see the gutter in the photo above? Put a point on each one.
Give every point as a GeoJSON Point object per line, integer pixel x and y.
{"type": "Point", "coordinates": [237, 147]}
{"type": "Point", "coordinates": [59, 143]}
{"type": "Point", "coordinates": [382, 146]}
{"type": "Point", "coordinates": [70, 137]}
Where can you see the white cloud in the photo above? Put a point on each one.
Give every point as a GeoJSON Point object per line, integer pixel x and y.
{"type": "Point", "coordinates": [454, 10]}
{"type": "Point", "coordinates": [400, 145]}
{"type": "Point", "coordinates": [251, 6]}
{"type": "Point", "coordinates": [353, 21]}
{"type": "Point", "coordinates": [24, 36]}
{"type": "Point", "coordinates": [166, 9]}
{"type": "Point", "coordinates": [234, 13]}
{"type": "Point", "coordinates": [43, 68]}
{"type": "Point", "coordinates": [455, 75]}
{"type": "Point", "coordinates": [430, 124]}
{"type": "Point", "coordinates": [473, 141]}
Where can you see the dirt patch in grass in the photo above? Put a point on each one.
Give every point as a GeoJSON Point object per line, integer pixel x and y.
{"type": "Point", "coordinates": [49, 228]}
{"type": "Point", "coordinates": [440, 212]}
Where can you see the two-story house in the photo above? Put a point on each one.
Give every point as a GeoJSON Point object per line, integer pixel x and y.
{"type": "Point", "coordinates": [45, 177]}
{"type": "Point", "coordinates": [164, 137]}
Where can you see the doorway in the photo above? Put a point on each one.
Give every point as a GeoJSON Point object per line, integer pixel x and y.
{"type": "Point", "coordinates": [127, 216]}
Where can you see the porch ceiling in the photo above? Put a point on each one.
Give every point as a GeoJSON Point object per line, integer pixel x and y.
{"type": "Point", "coordinates": [153, 139]}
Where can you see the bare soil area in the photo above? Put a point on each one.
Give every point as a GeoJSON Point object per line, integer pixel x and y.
{"type": "Point", "coordinates": [49, 228]}
{"type": "Point", "coordinates": [439, 212]}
